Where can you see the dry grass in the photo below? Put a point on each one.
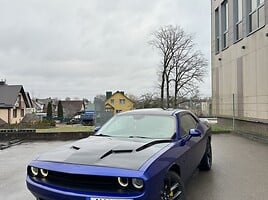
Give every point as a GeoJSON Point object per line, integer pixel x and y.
{"type": "Point", "coordinates": [66, 128]}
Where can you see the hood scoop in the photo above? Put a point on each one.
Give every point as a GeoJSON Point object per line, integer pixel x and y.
{"type": "Point", "coordinates": [145, 146]}
{"type": "Point", "coordinates": [115, 152]}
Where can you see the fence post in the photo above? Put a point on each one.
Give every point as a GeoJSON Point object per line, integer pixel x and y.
{"type": "Point", "coordinates": [233, 112]}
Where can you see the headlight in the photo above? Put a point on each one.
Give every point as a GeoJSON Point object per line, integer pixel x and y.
{"type": "Point", "coordinates": [44, 172]}
{"type": "Point", "coordinates": [123, 181]}
{"type": "Point", "coordinates": [34, 171]}
{"type": "Point", "coordinates": [137, 183]}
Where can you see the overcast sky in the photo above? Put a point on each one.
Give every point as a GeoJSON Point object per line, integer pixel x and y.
{"type": "Point", "coordinates": [81, 48]}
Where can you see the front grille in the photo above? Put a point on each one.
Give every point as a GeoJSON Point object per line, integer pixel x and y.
{"type": "Point", "coordinates": [86, 183]}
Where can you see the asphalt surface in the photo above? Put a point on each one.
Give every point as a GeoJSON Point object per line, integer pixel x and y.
{"type": "Point", "coordinates": [239, 172]}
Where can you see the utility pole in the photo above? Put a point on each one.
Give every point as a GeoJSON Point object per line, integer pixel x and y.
{"type": "Point", "coordinates": [233, 112]}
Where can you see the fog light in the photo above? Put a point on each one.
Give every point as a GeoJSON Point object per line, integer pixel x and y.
{"type": "Point", "coordinates": [34, 171]}
{"type": "Point", "coordinates": [137, 183]}
{"type": "Point", "coordinates": [123, 181]}
{"type": "Point", "coordinates": [44, 172]}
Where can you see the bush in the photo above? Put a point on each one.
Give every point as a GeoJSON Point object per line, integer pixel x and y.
{"type": "Point", "coordinates": [31, 125]}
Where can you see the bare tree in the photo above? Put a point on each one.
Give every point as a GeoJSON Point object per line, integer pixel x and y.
{"type": "Point", "coordinates": [101, 97]}
{"type": "Point", "coordinates": [167, 41]}
{"type": "Point", "coordinates": [149, 100]}
{"type": "Point", "coordinates": [181, 67]}
{"type": "Point", "coordinates": [189, 70]}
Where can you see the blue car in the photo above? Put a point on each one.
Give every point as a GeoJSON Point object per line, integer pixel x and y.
{"type": "Point", "coordinates": [145, 154]}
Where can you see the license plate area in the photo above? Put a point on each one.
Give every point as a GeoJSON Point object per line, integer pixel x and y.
{"type": "Point", "coordinates": [106, 199]}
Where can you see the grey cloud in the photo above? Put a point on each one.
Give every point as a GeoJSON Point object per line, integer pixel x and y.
{"type": "Point", "coordinates": [85, 47]}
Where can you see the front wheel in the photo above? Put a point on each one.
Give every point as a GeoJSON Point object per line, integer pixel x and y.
{"type": "Point", "coordinates": [173, 187]}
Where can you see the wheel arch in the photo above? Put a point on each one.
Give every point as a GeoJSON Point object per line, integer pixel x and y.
{"type": "Point", "coordinates": [175, 168]}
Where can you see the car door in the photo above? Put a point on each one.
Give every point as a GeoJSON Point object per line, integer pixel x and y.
{"type": "Point", "coordinates": [194, 146]}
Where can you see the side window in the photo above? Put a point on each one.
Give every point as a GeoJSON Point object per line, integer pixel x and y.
{"type": "Point", "coordinates": [187, 122]}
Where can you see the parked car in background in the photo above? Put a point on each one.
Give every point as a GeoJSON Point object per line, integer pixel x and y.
{"type": "Point", "coordinates": [140, 154]}
{"type": "Point", "coordinates": [86, 118]}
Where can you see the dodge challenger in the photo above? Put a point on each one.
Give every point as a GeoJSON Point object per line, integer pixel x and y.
{"type": "Point", "coordinates": [137, 155]}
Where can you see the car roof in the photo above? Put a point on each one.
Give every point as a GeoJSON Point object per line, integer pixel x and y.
{"type": "Point", "coordinates": [154, 111]}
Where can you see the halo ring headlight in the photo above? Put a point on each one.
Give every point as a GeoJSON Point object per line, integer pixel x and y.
{"type": "Point", "coordinates": [44, 172]}
{"type": "Point", "coordinates": [34, 171]}
{"type": "Point", "coordinates": [123, 181]}
{"type": "Point", "coordinates": [137, 183]}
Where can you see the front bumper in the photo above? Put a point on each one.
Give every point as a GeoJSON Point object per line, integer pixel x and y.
{"type": "Point", "coordinates": [48, 193]}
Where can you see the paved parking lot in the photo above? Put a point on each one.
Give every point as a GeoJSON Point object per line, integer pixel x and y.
{"type": "Point", "coordinates": [240, 170]}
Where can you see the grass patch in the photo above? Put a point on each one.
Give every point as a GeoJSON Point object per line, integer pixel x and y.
{"type": "Point", "coordinates": [219, 129]}
{"type": "Point", "coordinates": [66, 128]}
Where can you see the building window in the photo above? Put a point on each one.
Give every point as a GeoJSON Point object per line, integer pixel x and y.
{"type": "Point", "coordinates": [22, 112]}
{"type": "Point", "coordinates": [217, 31]}
{"type": "Point", "coordinates": [112, 101]}
{"type": "Point", "coordinates": [15, 113]}
{"type": "Point", "coordinates": [256, 15]}
{"type": "Point", "coordinates": [187, 122]}
{"type": "Point", "coordinates": [238, 17]}
{"type": "Point", "coordinates": [224, 23]}
{"type": "Point", "coordinates": [118, 111]}
{"type": "Point", "coordinates": [122, 101]}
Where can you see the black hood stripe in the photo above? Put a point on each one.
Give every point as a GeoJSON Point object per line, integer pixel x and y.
{"type": "Point", "coordinates": [152, 143]}
{"type": "Point", "coordinates": [115, 151]}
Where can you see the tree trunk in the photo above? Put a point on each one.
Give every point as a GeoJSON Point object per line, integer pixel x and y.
{"type": "Point", "coordinates": [176, 95]}
{"type": "Point", "coordinates": [162, 89]}
{"type": "Point", "coordinates": [167, 91]}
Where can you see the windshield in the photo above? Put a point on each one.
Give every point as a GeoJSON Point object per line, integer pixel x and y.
{"type": "Point", "coordinates": [144, 126]}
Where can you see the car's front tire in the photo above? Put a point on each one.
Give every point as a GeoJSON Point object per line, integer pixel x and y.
{"type": "Point", "coordinates": [206, 161]}
{"type": "Point", "coordinates": [173, 187]}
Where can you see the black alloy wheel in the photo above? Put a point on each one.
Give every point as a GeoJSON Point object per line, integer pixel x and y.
{"type": "Point", "coordinates": [206, 161]}
{"type": "Point", "coordinates": [173, 187]}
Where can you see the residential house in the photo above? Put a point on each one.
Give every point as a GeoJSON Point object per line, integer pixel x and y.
{"type": "Point", "coordinates": [14, 102]}
{"type": "Point", "coordinates": [118, 102]}
{"type": "Point", "coordinates": [40, 106]}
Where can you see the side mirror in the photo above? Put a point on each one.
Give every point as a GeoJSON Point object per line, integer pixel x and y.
{"type": "Point", "coordinates": [97, 129]}
{"type": "Point", "coordinates": [195, 133]}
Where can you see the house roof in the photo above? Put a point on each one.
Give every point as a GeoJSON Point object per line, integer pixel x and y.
{"type": "Point", "coordinates": [9, 95]}
{"type": "Point", "coordinates": [70, 108]}
{"type": "Point", "coordinates": [109, 105]}
{"type": "Point", "coordinates": [29, 99]}
{"type": "Point", "coordinates": [30, 117]}
{"type": "Point", "coordinates": [120, 92]}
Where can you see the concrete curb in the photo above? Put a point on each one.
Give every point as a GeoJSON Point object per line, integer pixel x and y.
{"type": "Point", "coordinates": [15, 138]}
{"type": "Point", "coordinates": [9, 144]}
{"type": "Point", "coordinates": [44, 136]}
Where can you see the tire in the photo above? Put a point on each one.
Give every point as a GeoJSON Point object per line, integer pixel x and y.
{"type": "Point", "coordinates": [173, 187]}
{"type": "Point", "coordinates": [206, 161]}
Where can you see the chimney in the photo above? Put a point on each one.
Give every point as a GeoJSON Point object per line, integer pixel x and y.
{"type": "Point", "coordinates": [108, 94]}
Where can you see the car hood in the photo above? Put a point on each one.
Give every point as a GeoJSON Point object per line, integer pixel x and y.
{"type": "Point", "coordinates": [107, 151]}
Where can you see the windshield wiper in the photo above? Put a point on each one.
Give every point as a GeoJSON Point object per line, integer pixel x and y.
{"type": "Point", "coordinates": [135, 136]}
{"type": "Point", "coordinates": [103, 135]}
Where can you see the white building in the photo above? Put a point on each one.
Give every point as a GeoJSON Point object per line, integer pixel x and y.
{"type": "Point", "coordinates": [240, 60]}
